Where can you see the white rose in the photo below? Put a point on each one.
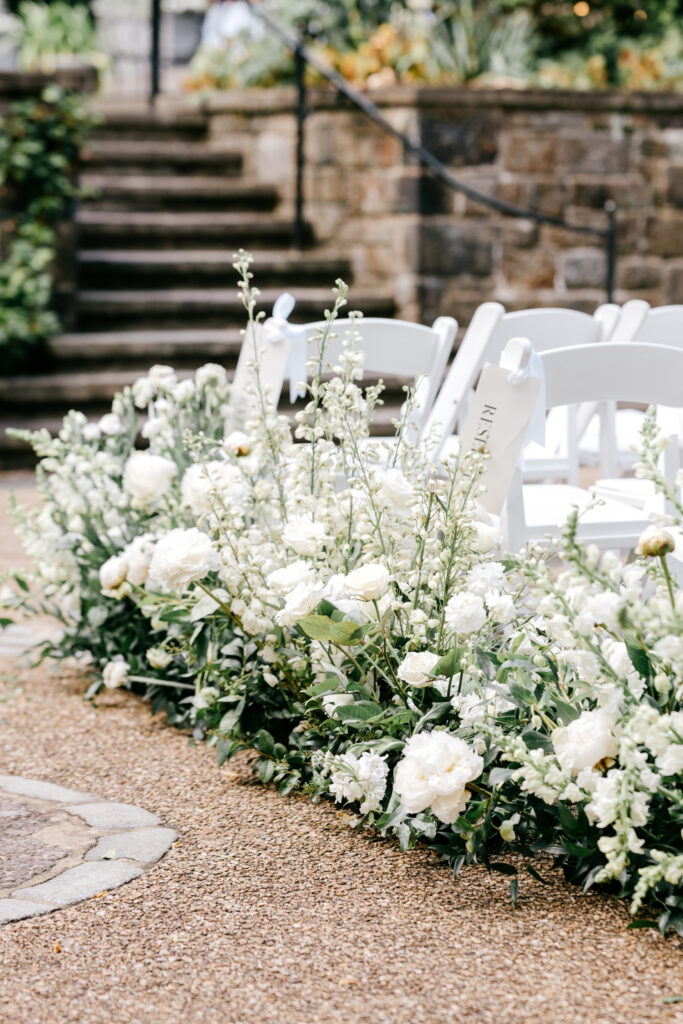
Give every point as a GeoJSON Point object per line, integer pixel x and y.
{"type": "Point", "coordinates": [396, 489]}
{"type": "Point", "coordinates": [138, 555]}
{"type": "Point", "coordinates": [304, 536]}
{"type": "Point", "coordinates": [112, 574]}
{"type": "Point", "coordinates": [332, 701]}
{"type": "Point", "coordinates": [283, 581]}
{"type": "Point", "coordinates": [299, 602]}
{"type": "Point", "coordinates": [655, 542]}
{"type": "Point", "coordinates": [501, 607]}
{"type": "Point", "coordinates": [434, 772]}
{"type": "Point", "coordinates": [147, 477]}
{"type": "Point", "coordinates": [465, 613]}
{"type": "Point", "coordinates": [115, 672]}
{"type": "Point", "coordinates": [585, 741]}
{"type": "Point", "coordinates": [180, 558]}
{"type": "Point", "coordinates": [417, 668]}
{"type": "Point", "coordinates": [369, 582]}
{"type": "Point", "coordinates": [237, 443]}
{"type": "Point", "coordinates": [207, 481]}
{"type": "Point", "coordinates": [159, 658]}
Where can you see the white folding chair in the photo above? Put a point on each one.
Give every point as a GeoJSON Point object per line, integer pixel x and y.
{"type": "Point", "coordinates": [490, 330]}
{"type": "Point", "coordinates": [627, 372]}
{"type": "Point", "coordinates": [396, 348]}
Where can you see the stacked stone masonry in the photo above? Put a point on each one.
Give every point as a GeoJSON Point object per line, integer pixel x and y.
{"type": "Point", "coordinates": [562, 153]}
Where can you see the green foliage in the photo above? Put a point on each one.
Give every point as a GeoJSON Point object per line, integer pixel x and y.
{"type": "Point", "coordinates": [47, 32]}
{"type": "Point", "coordinates": [40, 142]}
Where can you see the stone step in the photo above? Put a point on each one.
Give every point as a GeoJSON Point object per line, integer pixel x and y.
{"type": "Point", "coordinates": [161, 192]}
{"type": "Point", "coordinates": [159, 157]}
{"type": "Point", "coordinates": [124, 268]}
{"type": "Point", "coordinates": [140, 349]}
{"type": "Point", "coordinates": [136, 230]}
{"type": "Point", "coordinates": [204, 307]}
{"type": "Point", "coordinates": [138, 123]}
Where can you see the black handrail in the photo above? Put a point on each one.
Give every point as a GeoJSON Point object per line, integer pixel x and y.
{"type": "Point", "coordinates": [303, 57]}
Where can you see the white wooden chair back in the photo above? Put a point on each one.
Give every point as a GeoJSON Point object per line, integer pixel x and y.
{"type": "Point", "coordinates": [621, 371]}
{"type": "Point", "coordinates": [662, 325]}
{"type": "Point", "coordinates": [489, 332]}
{"type": "Point", "coordinates": [395, 348]}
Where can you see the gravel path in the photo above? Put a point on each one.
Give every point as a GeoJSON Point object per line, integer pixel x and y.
{"type": "Point", "coordinates": [272, 911]}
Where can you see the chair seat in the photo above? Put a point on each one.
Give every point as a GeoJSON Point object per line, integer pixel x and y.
{"type": "Point", "coordinates": [629, 490]}
{"type": "Point", "coordinates": [628, 425]}
{"type": "Point", "coordinates": [546, 507]}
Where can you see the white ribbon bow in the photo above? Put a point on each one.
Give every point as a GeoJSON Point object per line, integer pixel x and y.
{"type": "Point", "coordinates": [523, 361]}
{"type": "Point", "coordinates": [277, 330]}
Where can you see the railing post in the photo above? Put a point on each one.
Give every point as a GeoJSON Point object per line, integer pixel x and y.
{"type": "Point", "coordinates": [300, 76]}
{"type": "Point", "coordinates": [611, 245]}
{"type": "Point", "coordinates": [155, 53]}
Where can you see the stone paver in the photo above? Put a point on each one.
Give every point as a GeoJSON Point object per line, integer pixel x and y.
{"type": "Point", "coordinates": [82, 882]}
{"type": "Point", "coordinates": [17, 910]}
{"type": "Point", "coordinates": [146, 845]}
{"type": "Point", "coordinates": [111, 816]}
{"type": "Point", "coordinates": [42, 790]}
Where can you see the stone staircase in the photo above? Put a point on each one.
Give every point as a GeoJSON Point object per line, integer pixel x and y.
{"type": "Point", "coordinates": [154, 268]}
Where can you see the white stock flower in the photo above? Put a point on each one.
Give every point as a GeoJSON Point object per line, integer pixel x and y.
{"type": "Point", "coordinates": [368, 583]}
{"type": "Point", "coordinates": [417, 668]}
{"type": "Point", "coordinates": [361, 778]}
{"type": "Point", "coordinates": [586, 741]}
{"type": "Point", "coordinates": [147, 477]}
{"type": "Point", "coordinates": [304, 536]}
{"type": "Point", "coordinates": [216, 481]}
{"type": "Point", "coordinates": [396, 489]}
{"type": "Point", "coordinates": [465, 613]}
{"type": "Point", "coordinates": [299, 602]}
{"type": "Point", "coordinates": [113, 574]}
{"type": "Point", "coordinates": [585, 664]}
{"type": "Point", "coordinates": [115, 672]}
{"type": "Point", "coordinates": [434, 772]}
{"type": "Point", "coordinates": [283, 581]}
{"type": "Point", "coordinates": [180, 558]}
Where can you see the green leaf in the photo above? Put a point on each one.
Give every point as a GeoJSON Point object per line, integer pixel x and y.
{"type": "Point", "coordinates": [569, 823]}
{"type": "Point", "coordinates": [534, 874]}
{"type": "Point", "coordinates": [502, 868]}
{"type": "Point", "coordinates": [641, 923]}
{"type": "Point", "coordinates": [326, 630]}
{"type": "Point", "coordinates": [639, 660]}
{"type": "Point", "coordinates": [449, 665]}
{"type": "Point", "coordinates": [566, 712]}
{"type": "Point", "coordinates": [360, 711]}
{"type": "Point", "coordinates": [264, 742]}
{"type": "Point", "coordinates": [514, 891]}
{"type": "Point", "coordinates": [223, 750]}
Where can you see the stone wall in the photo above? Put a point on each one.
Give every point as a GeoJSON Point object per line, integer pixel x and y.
{"type": "Point", "coordinates": [562, 153]}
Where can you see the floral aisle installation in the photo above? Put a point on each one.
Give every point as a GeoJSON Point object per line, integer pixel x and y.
{"type": "Point", "coordinates": [347, 618]}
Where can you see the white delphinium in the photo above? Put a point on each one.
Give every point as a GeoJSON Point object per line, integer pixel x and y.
{"type": "Point", "coordinates": [434, 772]}
{"type": "Point", "coordinates": [207, 484]}
{"type": "Point", "coordinates": [355, 779]}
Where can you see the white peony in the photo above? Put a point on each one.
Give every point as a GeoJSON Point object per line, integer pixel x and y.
{"type": "Point", "coordinates": [180, 558]}
{"type": "Point", "coordinates": [434, 772]}
{"type": "Point", "coordinates": [115, 672]}
{"type": "Point", "coordinates": [417, 668]}
{"type": "Point", "coordinates": [303, 599]}
{"type": "Point", "coordinates": [138, 555]}
{"type": "Point", "coordinates": [368, 583]}
{"type": "Point", "coordinates": [147, 477]}
{"type": "Point", "coordinates": [485, 577]}
{"type": "Point", "coordinates": [304, 536]}
{"type": "Point", "coordinates": [396, 489]}
{"type": "Point", "coordinates": [585, 741]}
{"type": "Point", "coordinates": [208, 481]}
{"type": "Point", "coordinates": [361, 778]}
{"type": "Point", "coordinates": [283, 581]}
{"type": "Point", "coordinates": [113, 574]}
{"type": "Point", "coordinates": [465, 613]}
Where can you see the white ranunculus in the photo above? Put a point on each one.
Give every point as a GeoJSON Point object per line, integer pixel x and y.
{"type": "Point", "coordinates": [283, 581]}
{"type": "Point", "coordinates": [465, 613]}
{"type": "Point", "coordinates": [207, 481]}
{"type": "Point", "coordinates": [180, 558]}
{"type": "Point", "coordinates": [585, 741]}
{"type": "Point", "coordinates": [238, 443]}
{"type": "Point", "coordinates": [115, 672]}
{"type": "Point", "coordinates": [417, 668]}
{"type": "Point", "coordinates": [112, 574]}
{"type": "Point", "coordinates": [304, 536]}
{"type": "Point", "coordinates": [138, 555]}
{"type": "Point", "coordinates": [332, 701]}
{"type": "Point", "coordinates": [396, 489]}
{"type": "Point", "coordinates": [434, 772]}
{"type": "Point", "coordinates": [147, 477]}
{"type": "Point", "coordinates": [303, 599]}
{"type": "Point", "coordinates": [369, 582]}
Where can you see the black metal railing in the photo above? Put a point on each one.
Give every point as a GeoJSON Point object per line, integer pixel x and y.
{"type": "Point", "coordinates": [304, 58]}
